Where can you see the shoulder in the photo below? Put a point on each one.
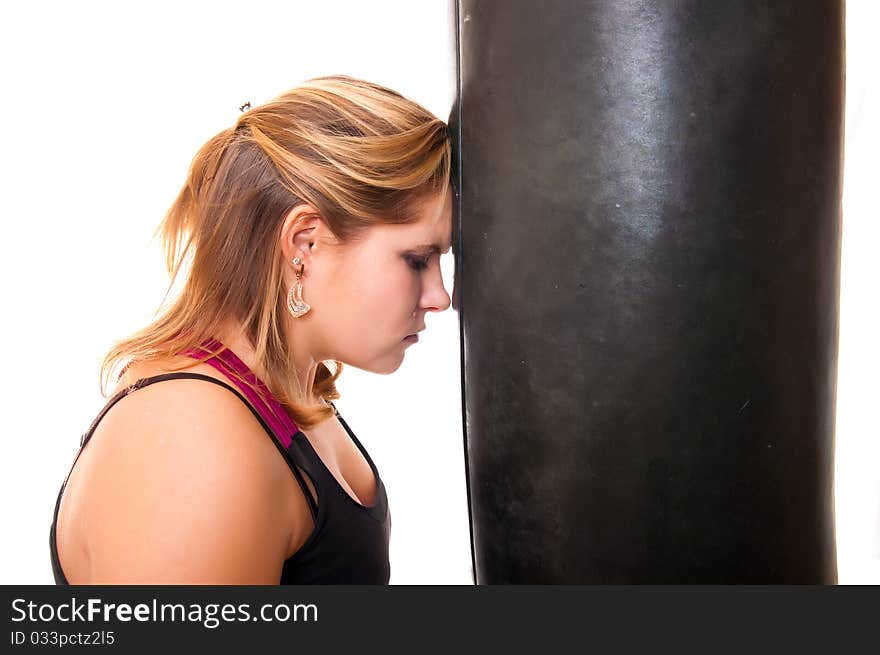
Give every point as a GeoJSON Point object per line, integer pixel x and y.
{"type": "Point", "coordinates": [183, 416]}
{"type": "Point", "coordinates": [190, 405]}
{"type": "Point", "coordinates": [184, 486]}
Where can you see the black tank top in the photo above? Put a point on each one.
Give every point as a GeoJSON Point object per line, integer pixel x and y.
{"type": "Point", "coordinates": [349, 542]}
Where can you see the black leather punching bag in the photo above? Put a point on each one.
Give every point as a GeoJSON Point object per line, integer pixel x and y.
{"type": "Point", "coordinates": [648, 288]}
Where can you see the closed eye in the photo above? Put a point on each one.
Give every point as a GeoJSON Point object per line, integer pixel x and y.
{"type": "Point", "coordinates": [418, 263]}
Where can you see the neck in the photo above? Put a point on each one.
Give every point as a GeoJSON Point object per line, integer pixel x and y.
{"type": "Point", "coordinates": [305, 366]}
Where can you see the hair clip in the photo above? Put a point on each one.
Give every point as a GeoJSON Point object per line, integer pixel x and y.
{"type": "Point", "coordinates": [246, 105]}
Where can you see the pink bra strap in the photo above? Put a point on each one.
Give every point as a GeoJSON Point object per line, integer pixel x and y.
{"type": "Point", "coordinates": [215, 354]}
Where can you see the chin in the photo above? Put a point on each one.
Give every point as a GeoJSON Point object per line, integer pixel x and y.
{"type": "Point", "coordinates": [388, 370]}
{"type": "Point", "coordinates": [385, 366]}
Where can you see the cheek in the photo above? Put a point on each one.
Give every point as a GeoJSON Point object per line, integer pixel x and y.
{"type": "Point", "coordinates": [389, 297]}
{"type": "Point", "coordinates": [369, 309]}
{"type": "Point", "coordinates": [378, 316]}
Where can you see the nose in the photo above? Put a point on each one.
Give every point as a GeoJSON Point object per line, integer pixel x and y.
{"type": "Point", "coordinates": [434, 295]}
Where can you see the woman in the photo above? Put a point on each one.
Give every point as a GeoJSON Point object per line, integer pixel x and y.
{"type": "Point", "coordinates": [309, 236]}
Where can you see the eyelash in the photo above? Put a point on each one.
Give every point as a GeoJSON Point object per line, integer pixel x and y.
{"type": "Point", "coordinates": [418, 263]}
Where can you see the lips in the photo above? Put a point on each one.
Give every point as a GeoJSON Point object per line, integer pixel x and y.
{"type": "Point", "coordinates": [414, 337]}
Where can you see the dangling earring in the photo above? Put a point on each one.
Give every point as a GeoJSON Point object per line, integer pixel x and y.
{"type": "Point", "coordinates": [295, 303]}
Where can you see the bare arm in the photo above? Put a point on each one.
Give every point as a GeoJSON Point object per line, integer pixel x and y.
{"type": "Point", "coordinates": [186, 488]}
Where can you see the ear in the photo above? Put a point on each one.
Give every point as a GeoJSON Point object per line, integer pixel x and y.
{"type": "Point", "coordinates": [303, 231]}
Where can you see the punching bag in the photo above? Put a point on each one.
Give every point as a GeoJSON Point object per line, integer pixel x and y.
{"type": "Point", "coordinates": [649, 207]}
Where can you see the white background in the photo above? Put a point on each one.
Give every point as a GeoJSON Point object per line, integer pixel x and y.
{"type": "Point", "coordinates": [103, 105]}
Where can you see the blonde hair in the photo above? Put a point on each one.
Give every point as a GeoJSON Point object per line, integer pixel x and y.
{"type": "Point", "coordinates": [360, 153]}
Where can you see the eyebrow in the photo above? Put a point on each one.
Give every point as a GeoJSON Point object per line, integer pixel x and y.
{"type": "Point", "coordinates": [432, 248]}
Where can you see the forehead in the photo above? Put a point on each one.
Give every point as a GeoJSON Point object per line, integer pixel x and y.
{"type": "Point", "coordinates": [433, 225]}
{"type": "Point", "coordinates": [435, 213]}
